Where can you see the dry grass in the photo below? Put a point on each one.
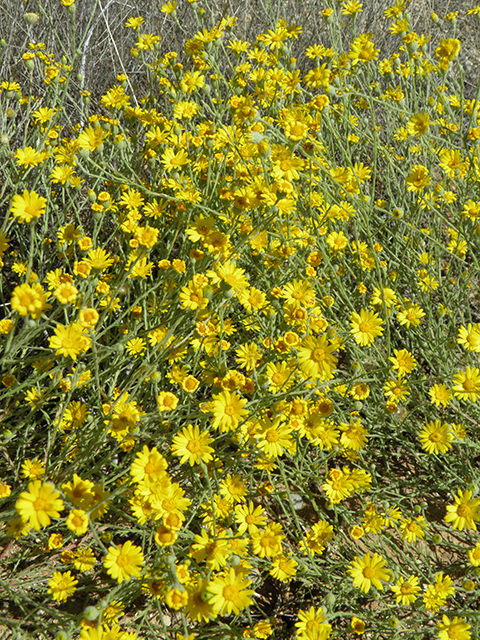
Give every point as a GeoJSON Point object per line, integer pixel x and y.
{"type": "Point", "coordinates": [108, 51]}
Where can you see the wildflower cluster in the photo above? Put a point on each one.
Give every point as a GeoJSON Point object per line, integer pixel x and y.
{"type": "Point", "coordinates": [240, 341]}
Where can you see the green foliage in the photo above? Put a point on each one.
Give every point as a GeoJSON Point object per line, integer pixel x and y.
{"type": "Point", "coordinates": [240, 336]}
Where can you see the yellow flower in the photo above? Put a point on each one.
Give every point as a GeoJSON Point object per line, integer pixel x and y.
{"type": "Point", "coordinates": [418, 178]}
{"type": "Point", "coordinates": [229, 593]}
{"type": "Point", "coordinates": [92, 138]}
{"type": "Point", "coordinates": [136, 347]}
{"type": "Point", "coordinates": [317, 538]}
{"type": "Point", "coordinates": [319, 77]}
{"type": "Point", "coordinates": [467, 384]}
{"type": "Point", "coordinates": [465, 512]}
{"type": "Point", "coordinates": [351, 7]}
{"type": "Point", "coordinates": [169, 8]}
{"type": "Point", "coordinates": [174, 160]}
{"type": "Point", "coordinates": [396, 390]}
{"type": "Point", "coordinates": [338, 486]}
{"type": "Point", "coordinates": [66, 293]}
{"type": "Point", "coordinates": [190, 384]}
{"type": "Point", "coordinates": [419, 124]}
{"type": "Point", "coordinates": [368, 571]}
{"type": "Point", "coordinates": [233, 488]}
{"type": "Point", "coordinates": [357, 625]}
{"type": "Point", "coordinates": [192, 446]}
{"type": "Point", "coordinates": [166, 401]}
{"type": "Point", "coordinates": [440, 395]}
{"type": "Point", "coordinates": [33, 469]}
{"type": "Point", "coordinates": [474, 555]}
{"type": "Point", "coordinates": [354, 436]}
{"type": "Point", "coordinates": [283, 568]}
{"type": "Point", "coordinates": [5, 489]}
{"type": "Point", "coordinates": [70, 340]}
{"type": "Point", "coordinates": [275, 437]}
{"type": "Point", "coordinates": [268, 542]}
{"type": "Point", "coordinates": [316, 359]}
{"type": "Point", "coordinates": [77, 521]}
{"type": "Point", "coordinates": [197, 607]}
{"type": "Point", "coordinates": [176, 599]}
{"type": "Point", "coordinates": [214, 550]}
{"type": "Point", "coordinates": [39, 504]}
{"type": "Point", "coordinates": [88, 317]}
{"type": "Point", "coordinates": [62, 585]}
{"type": "Point", "coordinates": [29, 157]}
{"type": "Point", "coordinates": [123, 562]}
{"type": "Point", "coordinates": [413, 529]}
{"type": "Point", "coordinates": [311, 625]}
{"type": "Point", "coordinates": [403, 362]}
{"type": "Point", "coordinates": [30, 300]}
{"type": "Point", "coordinates": [412, 314]}
{"type": "Point", "coordinates": [28, 206]}
{"type": "Point", "coordinates": [366, 326]}
{"type": "Point", "coordinates": [228, 410]}
{"type": "Point", "coordinates": [470, 337]}
{"type": "Point", "coordinates": [149, 466]}
{"type": "Point", "coordinates": [249, 518]}
{"type": "Point", "coordinates": [448, 49]}
{"type": "Point", "coordinates": [436, 437]}
{"type": "Point", "coordinates": [79, 491]}
{"type": "Point", "coordinates": [363, 49]}
{"type": "Point", "coordinates": [456, 629]}
{"type": "Point", "coordinates": [406, 592]}
{"type": "Point", "coordinates": [84, 560]}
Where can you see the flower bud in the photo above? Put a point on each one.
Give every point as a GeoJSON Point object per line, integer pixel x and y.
{"type": "Point", "coordinates": [91, 614]}
{"type": "Point", "coordinates": [29, 63]}
{"type": "Point", "coordinates": [31, 18]}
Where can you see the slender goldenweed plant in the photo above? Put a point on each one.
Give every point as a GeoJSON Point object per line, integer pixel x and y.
{"type": "Point", "coordinates": [240, 334]}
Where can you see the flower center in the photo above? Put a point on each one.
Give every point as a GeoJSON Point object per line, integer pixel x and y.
{"type": "Point", "coordinates": [122, 560]}
{"type": "Point", "coordinates": [368, 572]}
{"type": "Point", "coordinates": [463, 510]}
{"type": "Point", "coordinates": [230, 592]}
{"type": "Point", "coordinates": [318, 355]}
{"type": "Point", "coordinates": [193, 446]}
{"type": "Point", "coordinates": [272, 435]}
{"type": "Point", "coordinates": [39, 504]}
{"type": "Point", "coordinates": [469, 385]}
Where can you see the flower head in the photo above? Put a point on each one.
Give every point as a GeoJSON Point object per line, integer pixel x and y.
{"type": "Point", "coordinates": [366, 326]}
{"type": "Point", "coordinates": [192, 446]}
{"type": "Point", "coordinates": [30, 300]}
{"type": "Point", "coordinates": [368, 571]}
{"type": "Point", "coordinates": [229, 593]}
{"type": "Point", "coordinates": [62, 585]}
{"type": "Point", "coordinates": [406, 591]}
{"type": "Point", "coordinates": [465, 512]}
{"type": "Point", "coordinates": [124, 561]}
{"type": "Point", "coordinates": [39, 504]}
{"type": "Point", "coordinates": [456, 629]}
{"type": "Point", "coordinates": [28, 206]}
